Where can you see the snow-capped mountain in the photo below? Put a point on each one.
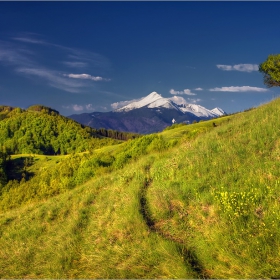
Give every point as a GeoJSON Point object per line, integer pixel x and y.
{"type": "Point", "coordinates": [155, 100]}
{"type": "Point", "coordinates": [149, 114]}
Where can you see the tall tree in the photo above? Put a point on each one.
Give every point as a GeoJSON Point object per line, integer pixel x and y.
{"type": "Point", "coordinates": [271, 70]}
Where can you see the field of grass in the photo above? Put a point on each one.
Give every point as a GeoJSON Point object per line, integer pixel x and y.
{"type": "Point", "coordinates": [209, 207]}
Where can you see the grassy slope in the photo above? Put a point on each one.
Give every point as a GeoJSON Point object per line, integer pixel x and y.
{"type": "Point", "coordinates": [207, 208]}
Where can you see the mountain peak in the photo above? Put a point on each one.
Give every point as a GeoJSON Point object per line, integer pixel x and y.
{"type": "Point", "coordinates": [152, 97]}
{"type": "Point", "coordinates": [218, 111]}
{"type": "Point", "coordinates": [178, 103]}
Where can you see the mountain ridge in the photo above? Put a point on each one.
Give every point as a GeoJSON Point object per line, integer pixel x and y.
{"type": "Point", "coordinates": [148, 114]}
{"type": "Point", "coordinates": [155, 100]}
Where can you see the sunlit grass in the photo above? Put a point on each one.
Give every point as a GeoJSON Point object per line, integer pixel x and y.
{"type": "Point", "coordinates": [220, 195]}
{"type": "Point", "coordinates": [206, 208]}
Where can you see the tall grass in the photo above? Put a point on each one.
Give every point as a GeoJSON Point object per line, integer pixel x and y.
{"type": "Point", "coordinates": [207, 208]}
{"type": "Point", "coordinates": [94, 231]}
{"type": "Point", "coordinates": [220, 195]}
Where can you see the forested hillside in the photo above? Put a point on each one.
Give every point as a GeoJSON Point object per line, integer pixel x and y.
{"type": "Point", "coordinates": [41, 130]}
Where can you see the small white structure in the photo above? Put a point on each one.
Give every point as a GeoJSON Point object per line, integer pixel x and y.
{"type": "Point", "coordinates": [173, 121]}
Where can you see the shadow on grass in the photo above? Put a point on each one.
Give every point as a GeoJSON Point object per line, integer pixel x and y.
{"type": "Point", "coordinates": [17, 168]}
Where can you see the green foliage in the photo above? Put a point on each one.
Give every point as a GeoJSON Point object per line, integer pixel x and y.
{"type": "Point", "coordinates": [120, 135]}
{"type": "Point", "coordinates": [7, 111]}
{"type": "Point", "coordinates": [41, 130]}
{"type": "Point", "coordinates": [43, 109]}
{"type": "Point", "coordinates": [3, 165]}
{"type": "Point", "coordinates": [271, 70]}
{"type": "Point", "coordinates": [35, 181]}
{"type": "Point", "coordinates": [30, 180]}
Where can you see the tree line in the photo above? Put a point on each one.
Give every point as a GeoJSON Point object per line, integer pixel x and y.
{"type": "Point", "coordinates": [41, 130]}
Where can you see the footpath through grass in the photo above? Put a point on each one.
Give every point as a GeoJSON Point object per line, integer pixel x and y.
{"type": "Point", "coordinates": [220, 195]}
{"type": "Point", "coordinates": [207, 208]}
{"type": "Point", "coordinates": [94, 231]}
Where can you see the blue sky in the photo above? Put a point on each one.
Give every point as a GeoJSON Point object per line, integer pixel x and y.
{"type": "Point", "coordinates": [90, 56]}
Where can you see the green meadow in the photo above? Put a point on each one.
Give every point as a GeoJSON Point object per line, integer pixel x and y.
{"type": "Point", "coordinates": [193, 201]}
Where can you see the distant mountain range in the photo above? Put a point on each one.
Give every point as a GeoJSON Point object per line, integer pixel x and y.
{"type": "Point", "coordinates": [148, 114]}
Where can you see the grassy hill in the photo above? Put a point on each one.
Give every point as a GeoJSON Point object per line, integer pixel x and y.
{"type": "Point", "coordinates": [196, 201]}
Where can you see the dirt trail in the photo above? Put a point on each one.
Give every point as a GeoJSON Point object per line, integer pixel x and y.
{"type": "Point", "coordinates": [188, 255]}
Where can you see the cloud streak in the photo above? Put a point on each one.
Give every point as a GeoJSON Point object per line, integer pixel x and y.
{"type": "Point", "coordinates": [86, 77]}
{"type": "Point", "coordinates": [75, 64]}
{"type": "Point", "coordinates": [23, 55]}
{"type": "Point", "coordinates": [194, 100]}
{"type": "Point", "coordinates": [239, 67]}
{"type": "Point", "coordinates": [81, 108]}
{"type": "Point", "coordinates": [30, 40]}
{"type": "Point", "coordinates": [185, 91]}
{"type": "Point", "coordinates": [14, 55]}
{"type": "Point", "coordinates": [53, 78]}
{"type": "Point", "coordinates": [239, 89]}
{"type": "Point", "coordinates": [121, 104]}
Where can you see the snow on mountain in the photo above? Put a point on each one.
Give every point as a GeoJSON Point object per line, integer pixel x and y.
{"type": "Point", "coordinates": [218, 111]}
{"type": "Point", "coordinates": [198, 110]}
{"type": "Point", "coordinates": [165, 103]}
{"type": "Point", "coordinates": [152, 97]}
{"type": "Point", "coordinates": [155, 100]}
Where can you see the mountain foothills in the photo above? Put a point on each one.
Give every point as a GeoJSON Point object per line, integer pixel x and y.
{"type": "Point", "coordinates": [193, 201]}
{"type": "Point", "coordinates": [41, 130]}
{"type": "Point", "coordinates": [149, 114]}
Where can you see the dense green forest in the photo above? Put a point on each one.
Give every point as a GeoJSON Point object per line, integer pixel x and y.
{"type": "Point", "coordinates": [3, 168]}
{"type": "Point", "coordinates": [41, 130]}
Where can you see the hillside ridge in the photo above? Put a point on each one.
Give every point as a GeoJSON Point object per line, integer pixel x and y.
{"type": "Point", "coordinates": [192, 201]}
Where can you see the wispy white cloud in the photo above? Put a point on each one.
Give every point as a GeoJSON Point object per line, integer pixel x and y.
{"type": "Point", "coordinates": [22, 57]}
{"type": "Point", "coordinates": [185, 91]}
{"type": "Point", "coordinates": [178, 99]}
{"type": "Point", "coordinates": [225, 67]}
{"type": "Point", "coordinates": [30, 40]}
{"type": "Point", "coordinates": [53, 78]}
{"type": "Point", "coordinates": [75, 64]}
{"type": "Point", "coordinates": [85, 77]}
{"type": "Point", "coordinates": [78, 108]}
{"type": "Point", "coordinates": [239, 89]}
{"type": "Point", "coordinates": [121, 104]}
{"type": "Point", "coordinates": [14, 55]}
{"type": "Point", "coordinates": [92, 58]}
{"type": "Point", "coordinates": [89, 107]}
{"type": "Point", "coordinates": [239, 67]}
{"type": "Point", "coordinates": [73, 107]}
{"type": "Point", "coordinates": [199, 88]}
{"type": "Point", "coordinates": [193, 100]}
